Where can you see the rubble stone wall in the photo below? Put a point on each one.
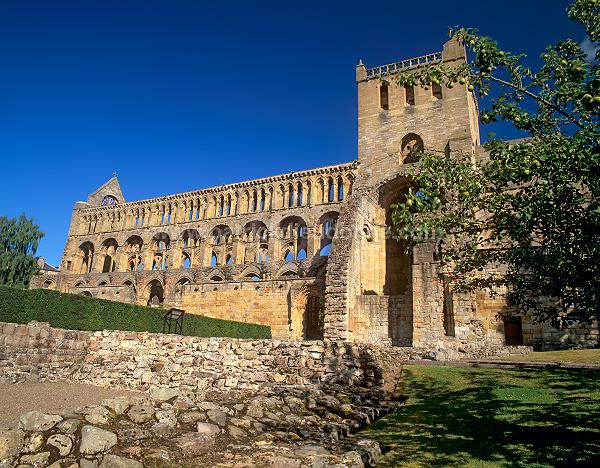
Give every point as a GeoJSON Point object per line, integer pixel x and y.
{"type": "Point", "coordinates": [143, 360]}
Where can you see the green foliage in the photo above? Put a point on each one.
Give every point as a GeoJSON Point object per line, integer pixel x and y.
{"type": "Point", "coordinates": [529, 217]}
{"type": "Point", "coordinates": [19, 239]}
{"type": "Point", "coordinates": [75, 312]}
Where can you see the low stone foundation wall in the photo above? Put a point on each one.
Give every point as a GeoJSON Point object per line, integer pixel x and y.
{"type": "Point", "coordinates": [40, 352]}
{"type": "Point", "coordinates": [142, 360]}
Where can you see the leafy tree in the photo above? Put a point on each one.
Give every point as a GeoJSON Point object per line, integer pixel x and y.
{"type": "Point", "coordinates": [527, 215]}
{"type": "Point", "coordinates": [19, 240]}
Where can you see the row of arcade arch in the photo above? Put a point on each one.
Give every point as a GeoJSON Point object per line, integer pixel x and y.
{"type": "Point", "coordinates": [254, 244]}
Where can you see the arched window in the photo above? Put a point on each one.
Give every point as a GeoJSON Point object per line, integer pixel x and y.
{"type": "Point", "coordinates": [213, 259]}
{"type": "Point", "coordinates": [187, 263]}
{"type": "Point", "coordinates": [301, 255]}
{"type": "Point", "coordinates": [290, 195]}
{"type": "Point", "coordinates": [109, 200]}
{"type": "Point", "coordinates": [254, 201]}
{"type": "Point", "coordinates": [155, 293]}
{"type": "Point", "coordinates": [324, 252]}
{"type": "Point", "coordinates": [109, 249]}
{"type": "Point", "coordinates": [328, 224]}
{"type": "Point", "coordinates": [293, 229]}
{"type": "Point", "coordinates": [216, 278]}
{"type": "Point", "coordinates": [263, 256]}
{"type": "Point", "coordinates": [228, 260]}
{"type": "Point", "coordinates": [340, 188]}
{"type": "Point", "coordinates": [300, 194]}
{"type": "Point", "coordinates": [86, 253]}
{"type": "Point", "coordinates": [228, 205]}
{"type": "Point", "coordinates": [288, 256]}
{"type": "Point", "coordinates": [411, 146]}
{"type": "Point", "coordinates": [330, 190]}
{"type": "Point", "coordinates": [190, 238]}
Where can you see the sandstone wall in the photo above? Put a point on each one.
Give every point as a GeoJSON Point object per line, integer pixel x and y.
{"type": "Point", "coordinates": [279, 304]}
{"type": "Point", "coordinates": [541, 336]}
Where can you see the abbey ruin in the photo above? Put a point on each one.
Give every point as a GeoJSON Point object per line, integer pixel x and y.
{"type": "Point", "coordinates": [305, 252]}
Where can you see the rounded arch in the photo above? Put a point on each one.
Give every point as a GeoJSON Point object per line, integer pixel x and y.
{"type": "Point", "coordinates": [134, 244]}
{"type": "Point", "coordinates": [86, 257]}
{"type": "Point", "coordinates": [183, 281]}
{"type": "Point", "coordinates": [255, 239]}
{"type": "Point", "coordinates": [221, 234]}
{"type": "Point", "coordinates": [410, 147]}
{"type": "Point", "coordinates": [109, 249]}
{"type": "Point", "coordinates": [161, 241]}
{"type": "Point", "coordinates": [49, 284]}
{"type": "Point", "coordinates": [327, 227]}
{"type": "Point", "coordinates": [130, 283]}
{"type": "Point", "coordinates": [288, 269]}
{"type": "Point", "coordinates": [110, 243]}
{"type": "Point", "coordinates": [250, 272]}
{"type": "Point", "coordinates": [186, 260]}
{"type": "Point", "coordinates": [295, 238]}
{"type": "Point", "coordinates": [255, 231]}
{"type": "Point", "coordinates": [86, 293]}
{"type": "Point", "coordinates": [154, 293]}
{"type": "Point", "coordinates": [190, 238]}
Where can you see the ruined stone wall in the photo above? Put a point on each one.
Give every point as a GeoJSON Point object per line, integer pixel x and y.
{"type": "Point", "coordinates": [279, 304]}
{"type": "Point", "coordinates": [39, 352]}
{"type": "Point", "coordinates": [142, 360]}
{"type": "Point", "coordinates": [381, 319]}
{"type": "Point", "coordinates": [274, 229]}
{"type": "Point", "coordinates": [541, 336]}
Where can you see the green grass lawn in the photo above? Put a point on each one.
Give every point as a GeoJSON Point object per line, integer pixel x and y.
{"type": "Point", "coordinates": [458, 416]}
{"type": "Point", "coordinates": [580, 356]}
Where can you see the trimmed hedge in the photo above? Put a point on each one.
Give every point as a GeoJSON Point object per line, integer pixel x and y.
{"type": "Point", "coordinates": [76, 312]}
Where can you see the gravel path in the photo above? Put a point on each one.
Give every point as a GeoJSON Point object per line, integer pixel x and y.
{"type": "Point", "coordinates": [16, 399]}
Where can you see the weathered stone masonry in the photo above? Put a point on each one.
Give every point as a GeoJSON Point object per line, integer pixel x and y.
{"type": "Point", "coordinates": [306, 252]}
{"type": "Point", "coordinates": [38, 352]}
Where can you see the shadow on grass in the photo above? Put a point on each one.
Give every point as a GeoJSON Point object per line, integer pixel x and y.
{"type": "Point", "coordinates": [482, 417]}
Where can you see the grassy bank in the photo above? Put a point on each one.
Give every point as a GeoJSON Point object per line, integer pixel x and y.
{"type": "Point", "coordinates": [493, 417]}
{"type": "Point", "coordinates": [87, 313]}
{"type": "Point", "coordinates": [580, 356]}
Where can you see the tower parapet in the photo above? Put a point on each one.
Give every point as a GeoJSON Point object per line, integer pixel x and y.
{"type": "Point", "coordinates": [394, 119]}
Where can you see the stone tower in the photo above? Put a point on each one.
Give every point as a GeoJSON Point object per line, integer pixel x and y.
{"type": "Point", "coordinates": [376, 292]}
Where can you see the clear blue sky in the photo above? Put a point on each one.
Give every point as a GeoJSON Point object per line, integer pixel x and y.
{"type": "Point", "coordinates": [176, 95]}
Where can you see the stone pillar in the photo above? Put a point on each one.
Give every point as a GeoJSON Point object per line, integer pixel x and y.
{"type": "Point", "coordinates": [428, 297]}
{"type": "Point", "coordinates": [312, 240]}
{"type": "Point", "coordinates": [237, 252]}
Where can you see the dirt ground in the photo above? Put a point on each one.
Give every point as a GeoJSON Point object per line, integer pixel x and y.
{"type": "Point", "coordinates": [16, 399]}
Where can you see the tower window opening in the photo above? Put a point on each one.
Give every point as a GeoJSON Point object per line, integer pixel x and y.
{"type": "Point", "coordinates": [384, 96]}
{"type": "Point", "coordinates": [410, 95]}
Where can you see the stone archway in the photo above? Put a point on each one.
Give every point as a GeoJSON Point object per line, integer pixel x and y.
{"type": "Point", "coordinates": [155, 294]}
{"type": "Point", "coordinates": [397, 287]}
{"type": "Point", "coordinates": [307, 312]}
{"type": "Point", "coordinates": [313, 318]}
